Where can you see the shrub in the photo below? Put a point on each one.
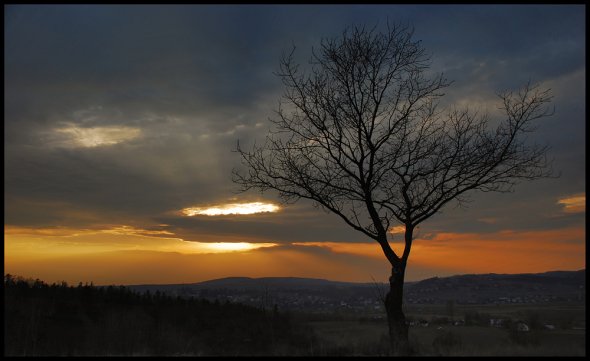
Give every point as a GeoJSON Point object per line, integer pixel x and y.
{"type": "Point", "coordinates": [475, 318]}
{"type": "Point", "coordinates": [446, 342]}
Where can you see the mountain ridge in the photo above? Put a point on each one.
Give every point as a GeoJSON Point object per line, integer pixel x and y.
{"type": "Point", "coordinates": [298, 293]}
{"type": "Point", "coordinates": [289, 279]}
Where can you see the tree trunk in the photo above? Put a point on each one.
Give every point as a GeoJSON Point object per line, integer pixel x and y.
{"type": "Point", "coordinates": [398, 329]}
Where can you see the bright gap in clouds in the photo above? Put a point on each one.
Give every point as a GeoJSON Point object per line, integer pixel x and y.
{"type": "Point", "coordinates": [97, 136]}
{"type": "Point", "coordinates": [231, 208]}
{"type": "Point", "coordinates": [397, 230]}
{"type": "Point", "coordinates": [220, 247]}
{"type": "Point", "coordinates": [573, 204]}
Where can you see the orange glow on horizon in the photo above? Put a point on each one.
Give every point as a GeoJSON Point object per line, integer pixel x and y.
{"type": "Point", "coordinates": [503, 252]}
{"type": "Point", "coordinates": [126, 255]}
{"type": "Point", "coordinates": [43, 241]}
{"type": "Point", "coordinates": [500, 252]}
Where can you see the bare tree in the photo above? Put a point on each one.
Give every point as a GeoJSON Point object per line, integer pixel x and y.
{"type": "Point", "coordinates": [362, 137]}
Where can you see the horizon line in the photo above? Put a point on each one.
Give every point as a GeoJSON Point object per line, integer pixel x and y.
{"type": "Point", "coordinates": [292, 277]}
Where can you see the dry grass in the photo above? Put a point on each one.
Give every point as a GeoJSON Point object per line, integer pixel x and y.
{"type": "Point", "coordinates": [352, 338]}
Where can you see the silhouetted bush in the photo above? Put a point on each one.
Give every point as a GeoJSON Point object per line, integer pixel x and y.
{"type": "Point", "coordinates": [566, 321]}
{"type": "Point", "coordinates": [533, 320]}
{"type": "Point", "coordinates": [522, 338]}
{"type": "Point", "coordinates": [475, 318]}
{"type": "Point", "coordinates": [440, 320]}
{"type": "Point", "coordinates": [446, 342]}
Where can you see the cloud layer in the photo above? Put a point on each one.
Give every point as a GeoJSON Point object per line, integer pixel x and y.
{"type": "Point", "coordinates": [123, 115]}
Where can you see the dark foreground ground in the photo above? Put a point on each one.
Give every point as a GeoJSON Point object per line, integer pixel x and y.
{"type": "Point", "coordinates": [555, 330]}
{"type": "Point", "coordinates": [61, 320]}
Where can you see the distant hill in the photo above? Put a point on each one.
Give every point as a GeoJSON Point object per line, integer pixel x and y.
{"type": "Point", "coordinates": [324, 295]}
{"type": "Point", "coordinates": [501, 288]}
{"type": "Point", "coordinates": [243, 283]}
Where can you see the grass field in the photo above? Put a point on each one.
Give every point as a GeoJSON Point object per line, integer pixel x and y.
{"type": "Point", "coordinates": [369, 338]}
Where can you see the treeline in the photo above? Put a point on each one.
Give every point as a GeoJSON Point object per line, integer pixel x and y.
{"type": "Point", "coordinates": [63, 320]}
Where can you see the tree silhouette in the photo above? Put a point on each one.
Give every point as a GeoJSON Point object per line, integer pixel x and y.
{"type": "Point", "coordinates": [361, 135]}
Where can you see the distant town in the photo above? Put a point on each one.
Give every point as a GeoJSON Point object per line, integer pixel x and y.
{"type": "Point", "coordinates": [322, 296]}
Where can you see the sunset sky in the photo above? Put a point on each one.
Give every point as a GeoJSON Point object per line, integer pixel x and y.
{"type": "Point", "coordinates": [120, 121]}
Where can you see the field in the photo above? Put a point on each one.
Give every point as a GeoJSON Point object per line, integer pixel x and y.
{"type": "Point", "coordinates": [368, 337]}
{"type": "Point", "coordinates": [62, 320]}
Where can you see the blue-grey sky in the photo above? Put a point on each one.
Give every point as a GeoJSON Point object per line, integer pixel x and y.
{"type": "Point", "coordinates": [125, 114]}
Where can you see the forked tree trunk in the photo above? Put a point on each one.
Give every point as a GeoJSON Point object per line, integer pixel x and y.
{"type": "Point", "coordinates": [398, 329]}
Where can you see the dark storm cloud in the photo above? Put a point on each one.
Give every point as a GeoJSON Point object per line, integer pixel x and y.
{"type": "Point", "coordinates": [505, 38]}
{"type": "Point", "coordinates": [129, 59]}
{"type": "Point", "coordinates": [192, 80]}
